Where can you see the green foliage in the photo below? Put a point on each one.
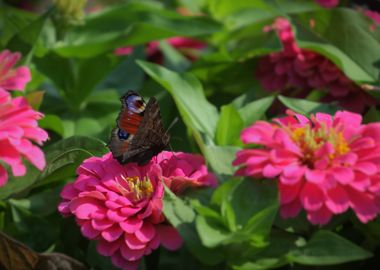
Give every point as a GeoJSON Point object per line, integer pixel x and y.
{"type": "Point", "coordinates": [77, 81]}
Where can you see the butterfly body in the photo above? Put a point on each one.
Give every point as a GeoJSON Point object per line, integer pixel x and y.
{"type": "Point", "coordinates": [139, 134]}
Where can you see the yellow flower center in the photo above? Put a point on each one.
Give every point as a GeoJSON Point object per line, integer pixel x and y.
{"type": "Point", "coordinates": [135, 188]}
{"type": "Point", "coordinates": [312, 139]}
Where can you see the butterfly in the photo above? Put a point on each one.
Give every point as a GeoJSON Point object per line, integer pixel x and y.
{"type": "Point", "coordinates": [15, 255]}
{"type": "Point", "coordinates": [139, 134]}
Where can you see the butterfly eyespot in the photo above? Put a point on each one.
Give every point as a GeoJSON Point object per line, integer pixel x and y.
{"type": "Point", "coordinates": [122, 134]}
{"type": "Point", "coordinates": [135, 103]}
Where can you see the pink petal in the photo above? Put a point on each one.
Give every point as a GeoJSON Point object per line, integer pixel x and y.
{"type": "Point", "coordinates": [131, 225]}
{"type": "Point", "coordinates": [292, 174]}
{"type": "Point", "coordinates": [311, 197]}
{"type": "Point", "coordinates": [113, 233]}
{"type": "Point", "coordinates": [115, 215]}
{"type": "Point", "coordinates": [84, 207]}
{"type": "Point", "coordinates": [291, 209]}
{"type": "Point", "coordinates": [289, 192]}
{"type": "Point", "coordinates": [270, 171]}
{"type": "Point", "coordinates": [315, 176]}
{"type": "Point", "coordinates": [88, 231]}
{"type": "Point", "coordinates": [131, 254]}
{"type": "Point", "coordinates": [69, 192]}
{"type": "Point", "coordinates": [337, 200]}
{"type": "Point", "coordinates": [146, 232]}
{"type": "Point", "coordinates": [363, 205]}
{"type": "Point", "coordinates": [3, 176]}
{"type": "Point", "coordinates": [367, 168]}
{"type": "Point", "coordinates": [101, 224]}
{"type": "Point", "coordinates": [343, 175]}
{"type": "Point", "coordinates": [106, 248]}
{"type": "Point", "coordinates": [169, 237]}
{"type": "Point", "coordinates": [129, 211]}
{"type": "Point", "coordinates": [133, 242]}
{"type": "Point", "coordinates": [322, 216]}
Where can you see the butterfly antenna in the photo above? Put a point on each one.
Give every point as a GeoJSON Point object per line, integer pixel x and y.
{"type": "Point", "coordinates": [175, 120]}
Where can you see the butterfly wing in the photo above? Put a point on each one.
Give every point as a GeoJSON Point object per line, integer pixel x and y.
{"type": "Point", "coordinates": [132, 112]}
{"type": "Point", "coordinates": [119, 143]}
{"type": "Point", "coordinates": [128, 122]}
{"type": "Point", "coordinates": [15, 255]}
{"type": "Point", "coordinates": [151, 137]}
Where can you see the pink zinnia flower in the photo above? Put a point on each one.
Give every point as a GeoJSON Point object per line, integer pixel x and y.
{"type": "Point", "coordinates": [328, 3]}
{"type": "Point", "coordinates": [121, 205]}
{"type": "Point", "coordinates": [306, 70]}
{"type": "Point", "coordinates": [12, 78]}
{"type": "Point", "coordinates": [18, 127]}
{"type": "Point", "coordinates": [183, 170]}
{"type": "Point", "coordinates": [190, 48]}
{"type": "Point", "coordinates": [325, 164]}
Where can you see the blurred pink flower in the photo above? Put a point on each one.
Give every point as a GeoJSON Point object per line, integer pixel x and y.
{"type": "Point", "coordinates": [325, 164]}
{"type": "Point", "coordinates": [305, 70]}
{"type": "Point", "coordinates": [190, 48]}
{"type": "Point", "coordinates": [18, 127]}
{"type": "Point", "coordinates": [328, 3]}
{"type": "Point", "coordinates": [375, 16]}
{"type": "Point", "coordinates": [121, 205]}
{"type": "Point", "coordinates": [12, 78]}
{"type": "Point", "coordinates": [183, 170]}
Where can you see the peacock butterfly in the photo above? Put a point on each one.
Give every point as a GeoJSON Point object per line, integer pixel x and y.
{"type": "Point", "coordinates": [139, 134]}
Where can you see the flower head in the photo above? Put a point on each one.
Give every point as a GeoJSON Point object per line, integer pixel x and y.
{"type": "Point", "coordinates": [190, 48]}
{"type": "Point", "coordinates": [121, 207]}
{"type": "Point", "coordinates": [304, 70]}
{"type": "Point", "coordinates": [18, 128]}
{"type": "Point", "coordinates": [325, 164]}
{"type": "Point", "coordinates": [183, 170]}
{"type": "Point", "coordinates": [328, 3]}
{"type": "Point", "coordinates": [12, 78]}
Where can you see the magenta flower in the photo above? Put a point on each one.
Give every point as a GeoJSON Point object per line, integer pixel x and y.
{"type": "Point", "coordinates": [183, 170]}
{"type": "Point", "coordinates": [12, 78]}
{"type": "Point", "coordinates": [120, 206]}
{"type": "Point", "coordinates": [328, 3]}
{"type": "Point", "coordinates": [373, 15]}
{"type": "Point", "coordinates": [18, 128]}
{"type": "Point", "coordinates": [303, 70]}
{"type": "Point", "coordinates": [190, 48]}
{"type": "Point", "coordinates": [325, 164]}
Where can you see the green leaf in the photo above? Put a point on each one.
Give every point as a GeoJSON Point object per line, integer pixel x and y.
{"type": "Point", "coordinates": [220, 158]}
{"type": "Point", "coordinates": [229, 126]}
{"type": "Point", "coordinates": [246, 201]}
{"type": "Point", "coordinates": [198, 114]}
{"type": "Point", "coordinates": [238, 13]}
{"type": "Point", "coordinates": [326, 248]}
{"type": "Point", "coordinates": [307, 107]}
{"type": "Point", "coordinates": [36, 203]}
{"type": "Point", "coordinates": [272, 256]}
{"type": "Point", "coordinates": [211, 231]}
{"type": "Point", "coordinates": [18, 184]}
{"type": "Point", "coordinates": [173, 59]}
{"type": "Point", "coordinates": [223, 191]}
{"type": "Point", "coordinates": [37, 232]}
{"type": "Point", "coordinates": [181, 216]}
{"type": "Point", "coordinates": [76, 78]}
{"type": "Point", "coordinates": [359, 57]}
{"type": "Point", "coordinates": [176, 210]}
{"type": "Point", "coordinates": [255, 110]}
{"type": "Point", "coordinates": [130, 24]}
{"type": "Point", "coordinates": [12, 20]}
{"type": "Point", "coordinates": [28, 38]}
{"type": "Point", "coordinates": [66, 155]}
{"type": "Point", "coordinates": [52, 122]}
